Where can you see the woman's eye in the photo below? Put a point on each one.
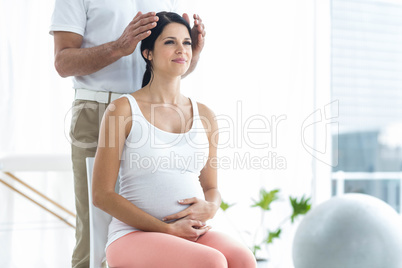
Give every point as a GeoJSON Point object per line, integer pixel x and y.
{"type": "Point", "coordinates": [169, 42]}
{"type": "Point", "coordinates": [188, 43]}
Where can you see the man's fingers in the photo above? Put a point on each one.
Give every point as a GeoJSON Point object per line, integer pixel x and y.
{"type": "Point", "coordinates": [186, 17]}
{"type": "Point", "coordinates": [197, 19]}
{"type": "Point", "coordinates": [141, 29]}
{"type": "Point", "coordinates": [201, 37]}
{"type": "Point", "coordinates": [142, 36]}
{"type": "Point", "coordinates": [201, 29]}
{"type": "Point", "coordinates": [139, 13]}
{"type": "Point", "coordinates": [199, 26]}
{"type": "Point", "coordinates": [144, 19]}
{"type": "Point", "coordinates": [145, 28]}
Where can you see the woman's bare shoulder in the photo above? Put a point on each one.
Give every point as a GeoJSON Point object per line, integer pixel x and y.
{"type": "Point", "coordinates": [209, 121]}
{"type": "Point", "coordinates": [205, 111]}
{"type": "Point", "coordinates": [119, 107]}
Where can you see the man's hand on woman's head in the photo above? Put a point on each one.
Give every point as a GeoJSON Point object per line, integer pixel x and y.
{"type": "Point", "coordinates": [136, 31]}
{"type": "Point", "coordinates": [197, 34]}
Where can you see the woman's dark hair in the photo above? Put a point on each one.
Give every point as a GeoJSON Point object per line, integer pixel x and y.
{"type": "Point", "coordinates": [148, 43]}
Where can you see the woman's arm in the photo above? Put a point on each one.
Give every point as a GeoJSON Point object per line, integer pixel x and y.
{"type": "Point", "coordinates": [204, 210]}
{"type": "Point", "coordinates": [208, 177]}
{"type": "Point", "coordinates": [115, 127]}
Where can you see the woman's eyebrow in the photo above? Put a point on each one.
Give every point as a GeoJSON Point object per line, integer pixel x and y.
{"type": "Point", "coordinates": [172, 37]}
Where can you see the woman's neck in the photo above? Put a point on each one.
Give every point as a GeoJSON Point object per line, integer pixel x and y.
{"type": "Point", "coordinates": [164, 90]}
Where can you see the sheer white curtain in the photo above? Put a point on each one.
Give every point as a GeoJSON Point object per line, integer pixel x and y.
{"type": "Point", "coordinates": [257, 72]}
{"type": "Point", "coordinates": [34, 99]}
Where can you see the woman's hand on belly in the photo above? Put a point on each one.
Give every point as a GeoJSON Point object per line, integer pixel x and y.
{"type": "Point", "coordinates": [188, 229]}
{"type": "Point", "coordinates": [199, 210]}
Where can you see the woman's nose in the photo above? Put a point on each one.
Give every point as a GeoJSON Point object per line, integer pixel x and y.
{"type": "Point", "coordinates": [180, 49]}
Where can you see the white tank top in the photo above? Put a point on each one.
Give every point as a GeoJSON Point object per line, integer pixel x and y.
{"type": "Point", "coordinates": [158, 168]}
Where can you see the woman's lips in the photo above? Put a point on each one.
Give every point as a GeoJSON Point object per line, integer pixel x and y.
{"type": "Point", "coordinates": [180, 61]}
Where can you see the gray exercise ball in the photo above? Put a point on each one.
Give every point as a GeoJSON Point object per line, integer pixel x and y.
{"type": "Point", "coordinates": [349, 231]}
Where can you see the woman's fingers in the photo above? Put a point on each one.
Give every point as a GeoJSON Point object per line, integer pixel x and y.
{"type": "Point", "coordinates": [183, 213]}
{"type": "Point", "coordinates": [176, 216]}
{"type": "Point", "coordinates": [188, 201]}
{"type": "Point", "coordinates": [202, 231]}
{"type": "Point", "coordinates": [197, 224]}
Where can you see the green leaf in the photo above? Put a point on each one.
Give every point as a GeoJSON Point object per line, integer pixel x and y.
{"type": "Point", "coordinates": [225, 206]}
{"type": "Point", "coordinates": [273, 235]}
{"type": "Point", "coordinates": [255, 249]}
{"type": "Point", "coordinates": [266, 198]}
{"type": "Point", "coordinates": [299, 207]}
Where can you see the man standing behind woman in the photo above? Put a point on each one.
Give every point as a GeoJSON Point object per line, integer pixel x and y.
{"type": "Point", "coordinates": [96, 42]}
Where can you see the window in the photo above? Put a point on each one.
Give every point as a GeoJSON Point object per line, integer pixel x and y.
{"type": "Point", "coordinates": [367, 81]}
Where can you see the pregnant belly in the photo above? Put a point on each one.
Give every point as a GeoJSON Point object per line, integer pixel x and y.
{"type": "Point", "coordinates": [159, 195]}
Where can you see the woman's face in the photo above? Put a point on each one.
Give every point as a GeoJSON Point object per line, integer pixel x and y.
{"type": "Point", "coordinates": [172, 51]}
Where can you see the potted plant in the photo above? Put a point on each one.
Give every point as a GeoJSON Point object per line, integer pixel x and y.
{"type": "Point", "coordinates": [299, 207]}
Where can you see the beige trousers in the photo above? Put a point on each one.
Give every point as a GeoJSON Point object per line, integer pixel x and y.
{"type": "Point", "coordinates": [85, 122]}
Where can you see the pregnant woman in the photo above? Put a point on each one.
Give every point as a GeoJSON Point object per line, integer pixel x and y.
{"type": "Point", "coordinates": [164, 147]}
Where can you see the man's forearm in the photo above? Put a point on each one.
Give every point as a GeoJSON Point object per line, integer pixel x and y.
{"type": "Point", "coordinates": [193, 64]}
{"type": "Point", "coordinates": [84, 61]}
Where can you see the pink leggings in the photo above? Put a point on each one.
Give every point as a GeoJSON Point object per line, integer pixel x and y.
{"type": "Point", "coordinates": [159, 250]}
